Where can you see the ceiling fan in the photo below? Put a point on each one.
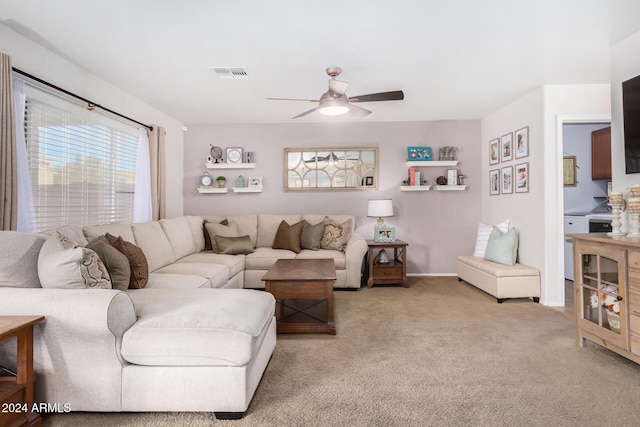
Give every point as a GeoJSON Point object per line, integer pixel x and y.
{"type": "Point", "coordinates": [335, 102]}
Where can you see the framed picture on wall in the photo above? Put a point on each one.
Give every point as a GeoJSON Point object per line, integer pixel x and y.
{"type": "Point", "coordinates": [522, 142]}
{"type": "Point", "coordinates": [506, 180]}
{"type": "Point", "coordinates": [506, 147]}
{"type": "Point", "coordinates": [494, 151]}
{"type": "Point", "coordinates": [494, 182]}
{"type": "Point", "coordinates": [522, 178]}
{"type": "Point", "coordinates": [569, 171]}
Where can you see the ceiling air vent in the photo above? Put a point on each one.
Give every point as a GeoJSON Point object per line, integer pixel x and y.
{"type": "Point", "coordinates": [231, 73]}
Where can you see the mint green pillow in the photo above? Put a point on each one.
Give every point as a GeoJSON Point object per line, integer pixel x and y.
{"type": "Point", "coordinates": [502, 247]}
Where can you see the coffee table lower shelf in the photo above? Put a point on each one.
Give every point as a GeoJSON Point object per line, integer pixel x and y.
{"type": "Point", "coordinates": [304, 316]}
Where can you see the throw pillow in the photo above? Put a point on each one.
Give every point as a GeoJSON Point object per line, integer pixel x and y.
{"type": "Point", "coordinates": [502, 247]}
{"type": "Point", "coordinates": [311, 236]}
{"type": "Point", "coordinates": [484, 231]}
{"type": "Point", "coordinates": [336, 236]}
{"type": "Point", "coordinates": [234, 245]}
{"type": "Point", "coordinates": [288, 236]}
{"type": "Point", "coordinates": [137, 261]}
{"type": "Point", "coordinates": [63, 263]}
{"type": "Point", "coordinates": [116, 262]}
{"type": "Point", "coordinates": [224, 230]}
{"type": "Point", "coordinates": [208, 246]}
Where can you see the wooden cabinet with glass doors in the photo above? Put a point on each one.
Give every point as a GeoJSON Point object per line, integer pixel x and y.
{"type": "Point", "coordinates": [607, 292]}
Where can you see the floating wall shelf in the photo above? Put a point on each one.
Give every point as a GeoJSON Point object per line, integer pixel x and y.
{"type": "Point", "coordinates": [450, 187]}
{"type": "Point", "coordinates": [213, 190]}
{"type": "Point", "coordinates": [230, 165]}
{"type": "Point", "coordinates": [415, 187]}
{"type": "Point", "coordinates": [435, 163]}
{"type": "Point", "coordinates": [247, 189]}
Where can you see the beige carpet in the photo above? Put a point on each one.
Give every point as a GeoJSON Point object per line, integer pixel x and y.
{"type": "Point", "coordinates": [440, 353]}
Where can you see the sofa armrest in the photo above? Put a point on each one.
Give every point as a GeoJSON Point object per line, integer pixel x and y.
{"type": "Point", "coordinates": [77, 347]}
{"type": "Point", "coordinates": [356, 249]}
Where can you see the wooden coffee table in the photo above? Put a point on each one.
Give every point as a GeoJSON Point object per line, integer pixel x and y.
{"type": "Point", "coordinates": [303, 289]}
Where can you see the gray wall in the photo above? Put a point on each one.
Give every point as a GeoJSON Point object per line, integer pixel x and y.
{"type": "Point", "coordinates": [438, 226]}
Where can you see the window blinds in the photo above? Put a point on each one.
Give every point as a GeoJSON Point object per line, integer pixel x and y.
{"type": "Point", "coordinates": [82, 165]}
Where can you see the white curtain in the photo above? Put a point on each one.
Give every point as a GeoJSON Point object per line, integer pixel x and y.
{"type": "Point", "coordinates": [142, 211]}
{"type": "Point", "coordinates": [26, 214]}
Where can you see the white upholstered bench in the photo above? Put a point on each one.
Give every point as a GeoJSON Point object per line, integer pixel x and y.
{"type": "Point", "coordinates": [501, 281]}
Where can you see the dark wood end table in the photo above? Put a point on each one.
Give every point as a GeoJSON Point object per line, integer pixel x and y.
{"type": "Point", "coordinates": [395, 272]}
{"type": "Point", "coordinates": [16, 392]}
{"type": "Point", "coordinates": [296, 282]}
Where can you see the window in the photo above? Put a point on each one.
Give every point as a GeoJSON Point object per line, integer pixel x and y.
{"type": "Point", "coordinates": [82, 163]}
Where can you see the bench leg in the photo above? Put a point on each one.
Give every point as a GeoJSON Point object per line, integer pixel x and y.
{"type": "Point", "coordinates": [228, 415]}
{"type": "Point", "coordinates": [536, 299]}
{"type": "Point", "coordinates": [459, 279]}
{"type": "Point", "coordinates": [500, 300]}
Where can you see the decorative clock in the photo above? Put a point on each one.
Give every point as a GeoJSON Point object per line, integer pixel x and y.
{"type": "Point", "coordinates": [234, 155]}
{"type": "Point", "coordinates": [206, 179]}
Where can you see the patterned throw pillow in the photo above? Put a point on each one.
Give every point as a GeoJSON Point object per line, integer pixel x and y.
{"type": "Point", "coordinates": [137, 261]}
{"type": "Point", "coordinates": [63, 263]}
{"type": "Point", "coordinates": [336, 236]}
{"type": "Point", "coordinates": [288, 236]}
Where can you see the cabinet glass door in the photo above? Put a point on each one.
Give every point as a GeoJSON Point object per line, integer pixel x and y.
{"type": "Point", "coordinates": [601, 291]}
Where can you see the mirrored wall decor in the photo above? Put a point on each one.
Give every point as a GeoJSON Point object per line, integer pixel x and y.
{"type": "Point", "coordinates": [343, 168]}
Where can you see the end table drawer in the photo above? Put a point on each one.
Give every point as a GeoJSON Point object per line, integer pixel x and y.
{"type": "Point", "coordinates": [387, 272]}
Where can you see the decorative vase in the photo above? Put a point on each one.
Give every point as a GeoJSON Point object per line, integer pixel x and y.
{"type": "Point", "coordinates": [221, 183]}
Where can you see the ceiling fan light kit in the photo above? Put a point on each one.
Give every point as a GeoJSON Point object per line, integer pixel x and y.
{"type": "Point", "coordinates": [335, 102]}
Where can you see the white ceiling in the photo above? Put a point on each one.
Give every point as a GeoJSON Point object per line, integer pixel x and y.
{"type": "Point", "coordinates": [454, 59]}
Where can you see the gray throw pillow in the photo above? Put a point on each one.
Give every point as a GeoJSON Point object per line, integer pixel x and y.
{"type": "Point", "coordinates": [502, 247]}
{"type": "Point", "coordinates": [116, 262]}
{"type": "Point", "coordinates": [311, 236]}
{"type": "Point", "coordinates": [288, 236]}
{"type": "Point", "coordinates": [233, 245]}
{"type": "Point", "coordinates": [230, 230]}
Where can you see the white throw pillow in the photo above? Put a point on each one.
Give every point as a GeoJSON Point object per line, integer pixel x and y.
{"type": "Point", "coordinates": [63, 263]}
{"type": "Point", "coordinates": [484, 231]}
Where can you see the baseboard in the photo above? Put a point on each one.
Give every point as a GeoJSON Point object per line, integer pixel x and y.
{"type": "Point", "coordinates": [431, 274]}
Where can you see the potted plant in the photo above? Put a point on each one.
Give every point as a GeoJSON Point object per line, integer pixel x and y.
{"type": "Point", "coordinates": [221, 181]}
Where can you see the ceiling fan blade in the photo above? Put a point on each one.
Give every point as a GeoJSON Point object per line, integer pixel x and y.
{"type": "Point", "coordinates": [396, 95]}
{"type": "Point", "coordinates": [338, 87]}
{"type": "Point", "coordinates": [292, 99]}
{"type": "Point", "coordinates": [356, 111]}
{"type": "Point", "coordinates": [305, 113]}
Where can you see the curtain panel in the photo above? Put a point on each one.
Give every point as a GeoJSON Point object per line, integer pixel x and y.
{"type": "Point", "coordinates": [8, 169]}
{"type": "Point", "coordinates": [158, 171]}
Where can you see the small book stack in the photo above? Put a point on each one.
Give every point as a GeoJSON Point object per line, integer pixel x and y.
{"type": "Point", "coordinates": [414, 177]}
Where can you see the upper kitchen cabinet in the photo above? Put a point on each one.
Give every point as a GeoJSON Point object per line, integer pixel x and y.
{"type": "Point", "coordinates": [601, 154]}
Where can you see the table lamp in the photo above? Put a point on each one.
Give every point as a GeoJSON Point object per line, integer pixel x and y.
{"type": "Point", "coordinates": [381, 208]}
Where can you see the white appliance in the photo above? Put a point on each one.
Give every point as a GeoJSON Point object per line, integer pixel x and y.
{"type": "Point", "coordinates": [573, 224]}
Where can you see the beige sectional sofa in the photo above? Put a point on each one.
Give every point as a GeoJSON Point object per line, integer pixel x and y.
{"type": "Point", "coordinates": [192, 340]}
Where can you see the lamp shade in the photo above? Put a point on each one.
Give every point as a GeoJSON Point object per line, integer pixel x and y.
{"type": "Point", "coordinates": [380, 208]}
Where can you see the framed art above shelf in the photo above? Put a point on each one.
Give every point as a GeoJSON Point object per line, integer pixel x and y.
{"type": "Point", "coordinates": [230, 165]}
{"type": "Point", "coordinates": [415, 187]}
{"type": "Point", "coordinates": [432, 163]}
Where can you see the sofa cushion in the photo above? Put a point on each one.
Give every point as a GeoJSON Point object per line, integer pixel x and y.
{"type": "Point", "coordinates": [205, 327]}
{"type": "Point", "coordinates": [116, 262]}
{"type": "Point", "coordinates": [339, 258]}
{"type": "Point", "coordinates": [288, 236]}
{"type": "Point", "coordinates": [235, 263]}
{"type": "Point", "coordinates": [220, 229]}
{"type": "Point", "coordinates": [137, 261]}
{"type": "Point", "coordinates": [63, 263]}
{"type": "Point", "coordinates": [234, 245]}
{"type": "Point", "coordinates": [154, 243]}
{"type": "Point", "coordinates": [176, 281]}
{"type": "Point", "coordinates": [217, 274]}
{"type": "Point", "coordinates": [197, 231]}
{"type": "Point", "coordinates": [19, 258]}
{"type": "Point", "coordinates": [311, 235]}
{"type": "Point", "coordinates": [336, 236]}
{"type": "Point", "coordinates": [268, 226]}
{"type": "Point", "coordinates": [92, 232]}
{"type": "Point", "coordinates": [264, 258]}
{"type": "Point", "coordinates": [178, 232]}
